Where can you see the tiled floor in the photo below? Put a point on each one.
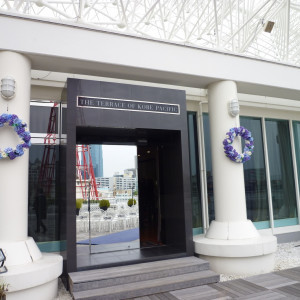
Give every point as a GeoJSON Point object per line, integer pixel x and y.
{"type": "Point", "coordinates": [278, 285]}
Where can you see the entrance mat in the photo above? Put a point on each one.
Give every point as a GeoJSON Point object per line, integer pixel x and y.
{"type": "Point", "coordinates": [117, 237]}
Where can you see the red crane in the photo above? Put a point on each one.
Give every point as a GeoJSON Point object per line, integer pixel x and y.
{"type": "Point", "coordinates": [47, 170]}
{"type": "Point", "coordinates": [84, 166]}
{"type": "Point", "coordinates": [85, 177]}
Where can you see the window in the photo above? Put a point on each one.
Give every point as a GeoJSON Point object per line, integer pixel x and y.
{"type": "Point", "coordinates": [44, 204]}
{"type": "Point", "coordinates": [209, 171]}
{"type": "Point", "coordinates": [255, 177]}
{"type": "Point", "coordinates": [39, 117]}
{"type": "Point", "coordinates": [45, 199]}
{"type": "Point", "coordinates": [195, 174]}
{"type": "Point", "coordinates": [281, 173]}
{"type": "Point", "coordinates": [296, 127]}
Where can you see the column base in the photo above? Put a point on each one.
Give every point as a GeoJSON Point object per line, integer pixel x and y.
{"type": "Point", "coordinates": [238, 256]}
{"type": "Point", "coordinates": [241, 266]}
{"type": "Point", "coordinates": [20, 252]}
{"type": "Point", "coordinates": [30, 274]}
{"type": "Point", "coordinates": [238, 230]}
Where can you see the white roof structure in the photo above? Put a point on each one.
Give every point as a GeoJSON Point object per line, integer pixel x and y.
{"type": "Point", "coordinates": [264, 29]}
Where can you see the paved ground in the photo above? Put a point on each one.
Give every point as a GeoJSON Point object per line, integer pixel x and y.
{"type": "Point", "coordinates": [284, 283]}
{"type": "Point", "coordinates": [279, 285]}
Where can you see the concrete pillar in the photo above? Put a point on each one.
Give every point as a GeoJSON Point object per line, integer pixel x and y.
{"type": "Point", "coordinates": [30, 274]}
{"type": "Point", "coordinates": [14, 173]}
{"type": "Point", "coordinates": [228, 176]}
{"type": "Point", "coordinates": [232, 244]}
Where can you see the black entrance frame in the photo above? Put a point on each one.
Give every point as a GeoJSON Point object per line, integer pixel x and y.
{"type": "Point", "coordinates": [128, 126]}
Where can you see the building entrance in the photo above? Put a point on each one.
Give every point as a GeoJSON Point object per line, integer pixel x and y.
{"type": "Point", "coordinates": [142, 192]}
{"type": "Point", "coordinates": [153, 120]}
{"type": "Point", "coordinates": [118, 197]}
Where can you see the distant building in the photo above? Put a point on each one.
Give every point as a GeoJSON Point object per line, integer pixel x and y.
{"type": "Point", "coordinates": [130, 172]}
{"type": "Point", "coordinates": [97, 159]}
{"type": "Point", "coordinates": [127, 181]}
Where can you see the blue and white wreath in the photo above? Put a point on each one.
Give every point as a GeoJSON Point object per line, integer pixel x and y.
{"type": "Point", "coordinates": [230, 152]}
{"type": "Point", "coordinates": [20, 128]}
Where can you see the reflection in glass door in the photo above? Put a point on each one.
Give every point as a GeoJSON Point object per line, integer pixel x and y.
{"type": "Point", "coordinates": [108, 217]}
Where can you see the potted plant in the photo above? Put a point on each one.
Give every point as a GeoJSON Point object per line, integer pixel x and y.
{"type": "Point", "coordinates": [104, 204]}
{"type": "Point", "coordinates": [131, 202]}
{"type": "Point", "coordinates": [78, 205]}
{"type": "Point", "coordinates": [3, 290]}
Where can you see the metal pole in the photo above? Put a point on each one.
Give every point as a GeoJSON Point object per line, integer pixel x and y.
{"type": "Point", "coordinates": [89, 210]}
{"type": "Point", "coordinates": [268, 176]}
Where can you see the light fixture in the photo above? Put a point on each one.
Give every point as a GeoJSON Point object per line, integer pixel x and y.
{"type": "Point", "coordinates": [8, 85]}
{"type": "Point", "coordinates": [234, 107]}
{"type": "Point", "coordinates": [3, 269]}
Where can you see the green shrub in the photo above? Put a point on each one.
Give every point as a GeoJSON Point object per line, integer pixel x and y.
{"type": "Point", "coordinates": [104, 204]}
{"type": "Point", "coordinates": [131, 202]}
{"type": "Point", "coordinates": [79, 203]}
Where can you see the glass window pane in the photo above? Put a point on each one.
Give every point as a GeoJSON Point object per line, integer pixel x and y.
{"type": "Point", "coordinates": [281, 173]}
{"type": "Point", "coordinates": [296, 127]}
{"type": "Point", "coordinates": [195, 173]}
{"type": "Point", "coordinates": [209, 172]}
{"type": "Point", "coordinates": [64, 120]}
{"type": "Point", "coordinates": [40, 116]}
{"type": "Point", "coordinates": [255, 177]}
{"type": "Point", "coordinates": [44, 204]}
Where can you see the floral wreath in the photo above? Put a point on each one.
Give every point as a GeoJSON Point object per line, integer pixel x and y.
{"type": "Point", "coordinates": [230, 152]}
{"type": "Point", "coordinates": [20, 129]}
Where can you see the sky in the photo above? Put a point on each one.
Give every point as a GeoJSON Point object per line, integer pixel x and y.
{"type": "Point", "coordinates": [117, 159]}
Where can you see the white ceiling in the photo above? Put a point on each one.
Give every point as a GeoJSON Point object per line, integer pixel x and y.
{"type": "Point", "coordinates": [236, 26]}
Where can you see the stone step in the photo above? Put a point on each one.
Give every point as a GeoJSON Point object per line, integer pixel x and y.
{"type": "Point", "coordinates": [147, 287]}
{"type": "Point", "coordinates": [93, 279]}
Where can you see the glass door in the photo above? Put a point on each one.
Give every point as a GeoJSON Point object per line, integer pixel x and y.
{"type": "Point", "coordinates": [108, 219]}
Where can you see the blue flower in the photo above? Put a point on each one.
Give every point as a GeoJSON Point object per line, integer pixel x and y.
{"type": "Point", "coordinates": [230, 152]}
{"type": "Point", "coordinates": [20, 129]}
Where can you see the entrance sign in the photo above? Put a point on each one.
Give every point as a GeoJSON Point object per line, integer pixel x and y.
{"type": "Point", "coordinates": [131, 105]}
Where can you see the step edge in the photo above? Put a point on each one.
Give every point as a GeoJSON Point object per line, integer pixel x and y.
{"type": "Point", "coordinates": [101, 274]}
{"type": "Point", "coordinates": [132, 278]}
{"type": "Point", "coordinates": [211, 275]}
{"type": "Point", "coordinates": [146, 291]}
{"type": "Point", "coordinates": [168, 262]}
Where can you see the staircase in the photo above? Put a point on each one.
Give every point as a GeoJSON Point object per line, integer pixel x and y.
{"type": "Point", "coordinates": [141, 279]}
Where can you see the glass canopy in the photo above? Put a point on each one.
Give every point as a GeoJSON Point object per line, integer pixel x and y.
{"type": "Point", "coordinates": [265, 29]}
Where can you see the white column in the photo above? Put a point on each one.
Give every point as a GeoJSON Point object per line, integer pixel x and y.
{"type": "Point", "coordinates": [228, 176]}
{"type": "Point", "coordinates": [14, 173]}
{"type": "Point", "coordinates": [30, 275]}
{"type": "Point", "coordinates": [232, 244]}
